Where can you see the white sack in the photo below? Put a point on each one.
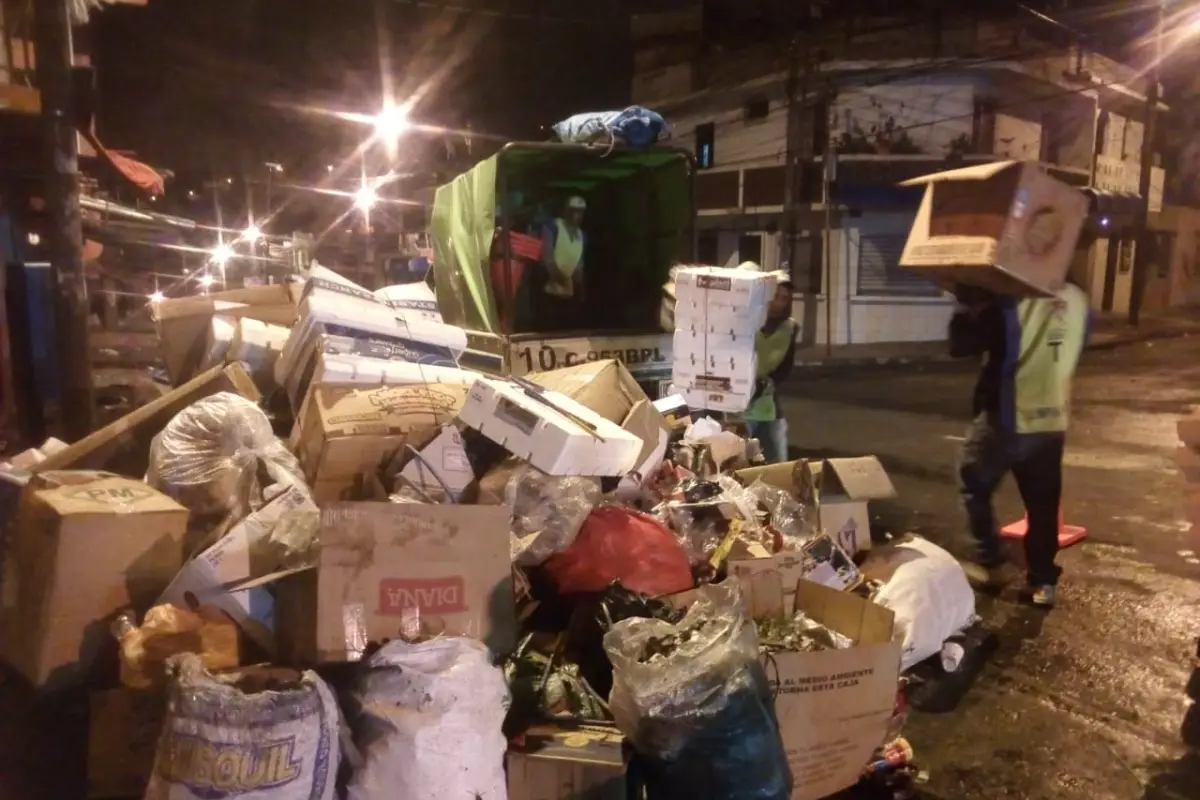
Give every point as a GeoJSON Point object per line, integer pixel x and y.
{"type": "Point", "coordinates": [927, 590]}
{"type": "Point", "coordinates": [218, 741]}
{"type": "Point", "coordinates": [429, 722]}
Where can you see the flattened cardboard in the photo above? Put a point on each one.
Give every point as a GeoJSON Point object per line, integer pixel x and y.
{"type": "Point", "coordinates": [1005, 226]}
{"type": "Point", "coordinates": [386, 570]}
{"type": "Point", "coordinates": [605, 387]}
{"type": "Point", "coordinates": [85, 546]}
{"type": "Point", "coordinates": [560, 763]}
{"type": "Point", "coordinates": [123, 447]}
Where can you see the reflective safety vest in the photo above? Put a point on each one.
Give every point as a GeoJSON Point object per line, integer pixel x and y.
{"type": "Point", "coordinates": [568, 255]}
{"type": "Point", "coordinates": [1053, 332]}
{"type": "Point", "coordinates": [769, 349]}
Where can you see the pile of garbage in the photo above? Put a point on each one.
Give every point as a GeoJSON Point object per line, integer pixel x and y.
{"type": "Point", "coordinates": [333, 562]}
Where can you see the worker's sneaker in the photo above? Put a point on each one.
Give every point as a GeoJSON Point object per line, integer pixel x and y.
{"type": "Point", "coordinates": [1042, 596]}
{"type": "Point", "coordinates": [990, 579]}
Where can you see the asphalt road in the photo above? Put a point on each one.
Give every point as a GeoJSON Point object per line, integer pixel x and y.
{"type": "Point", "coordinates": [1089, 700]}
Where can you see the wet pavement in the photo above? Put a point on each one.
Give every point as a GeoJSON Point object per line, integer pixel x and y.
{"type": "Point", "coordinates": [1089, 700]}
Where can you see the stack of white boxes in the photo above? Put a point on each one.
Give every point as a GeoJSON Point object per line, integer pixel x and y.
{"type": "Point", "coordinates": [718, 311]}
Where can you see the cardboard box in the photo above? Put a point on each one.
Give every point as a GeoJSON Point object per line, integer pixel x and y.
{"type": "Point", "coordinates": [1005, 226]}
{"type": "Point", "coordinates": [385, 571]}
{"type": "Point", "coordinates": [839, 490]}
{"type": "Point", "coordinates": [183, 324]}
{"type": "Point", "coordinates": [605, 387]}
{"type": "Point", "coordinates": [123, 730]}
{"type": "Point", "coordinates": [560, 763]}
{"type": "Point", "coordinates": [442, 467]}
{"type": "Point", "coordinates": [412, 301]}
{"type": "Point", "coordinates": [834, 706]}
{"type": "Point", "coordinates": [549, 430]}
{"type": "Point", "coordinates": [124, 446]}
{"type": "Point", "coordinates": [236, 558]}
{"type": "Point", "coordinates": [85, 547]}
{"type": "Point", "coordinates": [349, 432]}
{"type": "Point", "coordinates": [721, 299]}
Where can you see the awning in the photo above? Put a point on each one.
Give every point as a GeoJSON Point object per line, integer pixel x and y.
{"type": "Point", "coordinates": [140, 175]}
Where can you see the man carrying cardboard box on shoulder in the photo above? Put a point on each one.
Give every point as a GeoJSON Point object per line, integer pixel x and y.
{"type": "Point", "coordinates": [1022, 403]}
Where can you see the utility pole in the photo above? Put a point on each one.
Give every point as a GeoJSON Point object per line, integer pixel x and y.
{"type": "Point", "coordinates": [1143, 250]}
{"type": "Point", "coordinates": [798, 152]}
{"type": "Point", "coordinates": [54, 55]}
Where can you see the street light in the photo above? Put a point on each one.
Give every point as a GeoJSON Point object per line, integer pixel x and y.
{"type": "Point", "coordinates": [207, 280]}
{"type": "Point", "coordinates": [391, 123]}
{"type": "Point", "coordinates": [252, 233]}
{"type": "Point", "coordinates": [157, 297]}
{"type": "Point", "coordinates": [365, 198]}
{"type": "Point", "coordinates": [221, 254]}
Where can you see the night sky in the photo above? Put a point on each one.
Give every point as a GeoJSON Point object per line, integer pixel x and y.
{"type": "Point", "coordinates": [205, 86]}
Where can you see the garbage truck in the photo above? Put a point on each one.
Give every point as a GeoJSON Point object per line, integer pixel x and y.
{"type": "Point", "coordinates": [639, 222]}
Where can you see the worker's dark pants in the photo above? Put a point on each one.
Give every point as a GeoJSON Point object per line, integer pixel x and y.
{"type": "Point", "coordinates": [1035, 460]}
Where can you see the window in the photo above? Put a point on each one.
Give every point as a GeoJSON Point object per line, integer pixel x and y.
{"type": "Point", "coordinates": [756, 110]}
{"type": "Point", "coordinates": [880, 273]}
{"type": "Point", "coordinates": [750, 248]}
{"type": "Point", "coordinates": [706, 248]}
{"type": "Point", "coordinates": [706, 136]}
{"type": "Point", "coordinates": [1124, 255]}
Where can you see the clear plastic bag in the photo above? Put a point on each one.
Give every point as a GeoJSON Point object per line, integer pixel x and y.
{"type": "Point", "coordinates": [701, 520]}
{"type": "Point", "coordinates": [221, 460]}
{"type": "Point", "coordinates": [547, 512]}
{"type": "Point", "coordinates": [786, 514]}
{"type": "Point", "coordinates": [693, 701]}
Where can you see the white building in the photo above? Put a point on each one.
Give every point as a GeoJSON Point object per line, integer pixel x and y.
{"type": "Point", "coordinates": [888, 118]}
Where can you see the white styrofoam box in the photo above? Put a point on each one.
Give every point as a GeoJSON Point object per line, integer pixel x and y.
{"type": "Point", "coordinates": [715, 351]}
{"type": "Point", "coordinates": [728, 402]}
{"type": "Point", "coordinates": [531, 425]}
{"type": "Point", "coordinates": [411, 301]}
{"type": "Point", "coordinates": [716, 318]}
{"type": "Point", "coordinates": [724, 286]}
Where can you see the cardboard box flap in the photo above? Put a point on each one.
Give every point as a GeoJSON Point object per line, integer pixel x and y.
{"type": "Point", "coordinates": [124, 445]}
{"type": "Point", "coordinates": [848, 614]}
{"type": "Point", "coordinates": [862, 478]}
{"type": "Point", "coordinates": [605, 387]}
{"type": "Point", "coordinates": [386, 410]}
{"type": "Point", "coordinates": [979, 172]}
{"type": "Point", "coordinates": [647, 424]}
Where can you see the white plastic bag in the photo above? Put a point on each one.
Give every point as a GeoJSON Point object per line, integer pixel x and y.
{"type": "Point", "coordinates": [428, 723]}
{"type": "Point", "coordinates": [222, 739]}
{"type": "Point", "coordinates": [927, 590]}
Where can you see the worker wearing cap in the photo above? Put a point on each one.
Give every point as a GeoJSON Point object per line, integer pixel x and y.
{"type": "Point", "coordinates": [563, 243]}
{"type": "Point", "coordinates": [775, 350]}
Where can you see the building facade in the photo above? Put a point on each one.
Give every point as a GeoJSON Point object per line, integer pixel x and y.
{"type": "Point", "coordinates": [861, 113]}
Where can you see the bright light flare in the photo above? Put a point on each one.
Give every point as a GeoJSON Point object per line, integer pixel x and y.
{"type": "Point", "coordinates": [207, 280]}
{"type": "Point", "coordinates": [252, 233]}
{"type": "Point", "coordinates": [391, 123]}
{"type": "Point", "coordinates": [221, 254]}
{"type": "Point", "coordinates": [157, 297]}
{"type": "Point", "coordinates": [365, 198]}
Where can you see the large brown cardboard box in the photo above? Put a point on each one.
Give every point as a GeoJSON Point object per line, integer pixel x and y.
{"type": "Point", "coordinates": [583, 762]}
{"type": "Point", "coordinates": [123, 447]}
{"type": "Point", "coordinates": [85, 546]}
{"type": "Point", "coordinates": [123, 730]}
{"type": "Point", "coordinates": [605, 387]}
{"type": "Point", "coordinates": [350, 433]}
{"type": "Point", "coordinates": [386, 570]}
{"type": "Point", "coordinates": [1005, 226]}
{"type": "Point", "coordinates": [183, 323]}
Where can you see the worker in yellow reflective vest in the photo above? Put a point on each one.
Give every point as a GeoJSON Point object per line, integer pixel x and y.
{"type": "Point", "coordinates": [1030, 349]}
{"type": "Point", "coordinates": [775, 349]}
{"type": "Point", "coordinates": [561, 300]}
